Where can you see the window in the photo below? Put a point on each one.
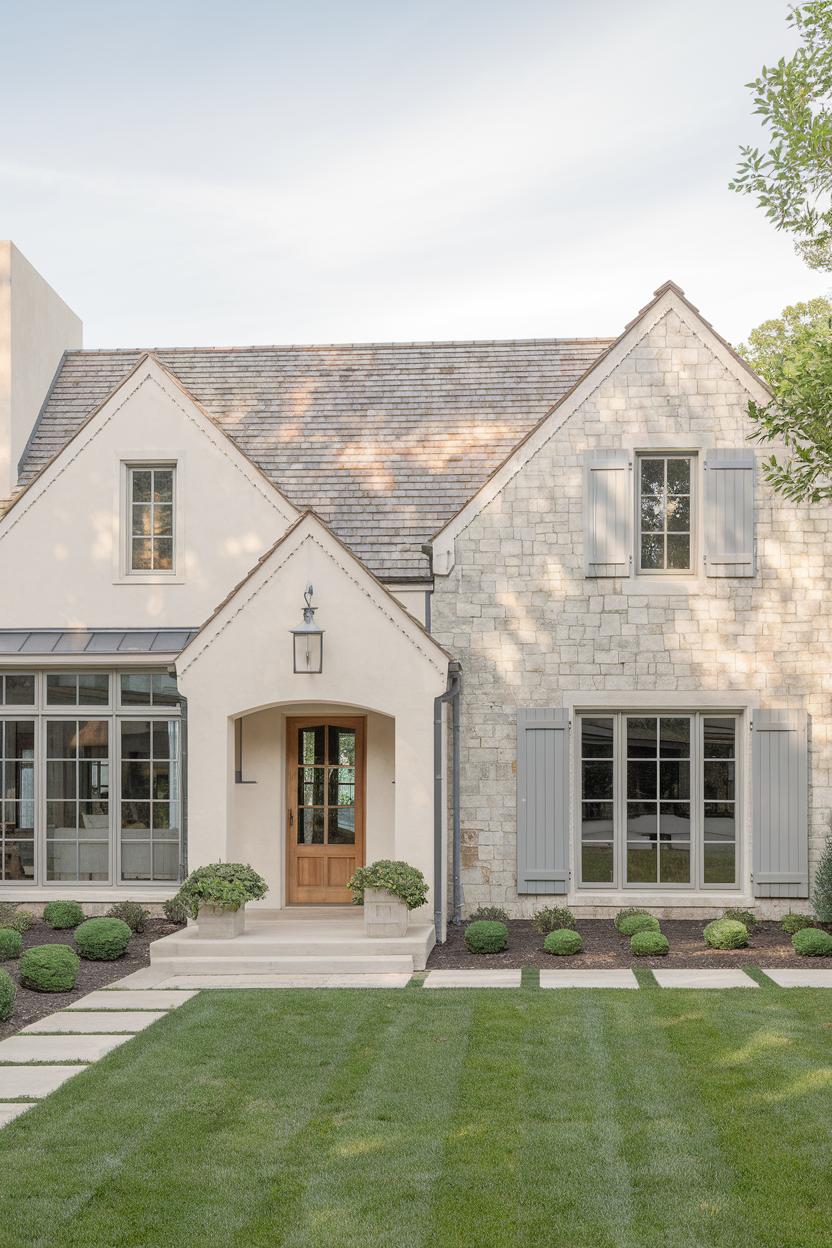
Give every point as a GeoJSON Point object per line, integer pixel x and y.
{"type": "Point", "coordinates": [658, 800]}
{"type": "Point", "coordinates": [150, 518]}
{"type": "Point", "coordinates": [665, 513]}
{"type": "Point", "coordinates": [149, 799]}
{"type": "Point", "coordinates": [89, 790]}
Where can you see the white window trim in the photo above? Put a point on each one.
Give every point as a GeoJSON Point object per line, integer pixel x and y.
{"type": "Point", "coordinates": [113, 714]}
{"type": "Point", "coordinates": [122, 574]}
{"type": "Point", "coordinates": [598, 703]}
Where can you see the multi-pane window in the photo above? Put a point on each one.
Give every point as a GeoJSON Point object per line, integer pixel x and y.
{"type": "Point", "coordinates": [77, 799]}
{"type": "Point", "coordinates": [89, 777]}
{"type": "Point", "coordinates": [665, 513]}
{"type": "Point", "coordinates": [151, 517]}
{"type": "Point", "coordinates": [149, 799]}
{"type": "Point", "coordinates": [326, 785]}
{"type": "Point", "coordinates": [658, 800]}
{"type": "Point", "coordinates": [17, 808]}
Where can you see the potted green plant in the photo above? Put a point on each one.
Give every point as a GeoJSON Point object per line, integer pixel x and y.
{"type": "Point", "coordinates": [216, 897]}
{"type": "Point", "coordinates": [387, 890]}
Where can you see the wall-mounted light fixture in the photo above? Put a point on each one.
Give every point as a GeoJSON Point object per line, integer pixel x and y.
{"type": "Point", "coordinates": [308, 639]}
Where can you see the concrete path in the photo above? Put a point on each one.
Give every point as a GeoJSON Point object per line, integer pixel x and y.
{"type": "Point", "coordinates": [816, 977]}
{"type": "Point", "coordinates": [472, 979]}
{"type": "Point", "coordinates": [48, 1052]}
{"type": "Point", "coordinates": [726, 977]}
{"type": "Point", "coordinates": [557, 978]}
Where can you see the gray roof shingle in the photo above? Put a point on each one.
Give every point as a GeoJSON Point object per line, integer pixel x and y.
{"type": "Point", "coordinates": [384, 441]}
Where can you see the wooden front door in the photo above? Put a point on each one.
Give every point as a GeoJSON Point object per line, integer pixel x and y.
{"type": "Point", "coordinates": [325, 825]}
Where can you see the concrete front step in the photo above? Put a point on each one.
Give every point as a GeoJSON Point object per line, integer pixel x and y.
{"type": "Point", "coordinates": [271, 964]}
{"type": "Point", "coordinates": [252, 946]}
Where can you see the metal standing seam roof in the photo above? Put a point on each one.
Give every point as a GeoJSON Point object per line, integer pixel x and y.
{"type": "Point", "coordinates": [385, 442]}
{"type": "Point", "coordinates": [97, 641]}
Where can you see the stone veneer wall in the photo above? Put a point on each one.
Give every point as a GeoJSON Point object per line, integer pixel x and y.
{"type": "Point", "coordinates": [527, 624]}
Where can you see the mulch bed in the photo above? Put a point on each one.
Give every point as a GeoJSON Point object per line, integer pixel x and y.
{"type": "Point", "coordinates": [768, 945]}
{"type": "Point", "coordinates": [30, 1006]}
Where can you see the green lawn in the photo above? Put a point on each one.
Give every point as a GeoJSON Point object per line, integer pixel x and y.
{"type": "Point", "coordinates": [441, 1119]}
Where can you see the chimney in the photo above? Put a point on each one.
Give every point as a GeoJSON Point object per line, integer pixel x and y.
{"type": "Point", "coordinates": [36, 327]}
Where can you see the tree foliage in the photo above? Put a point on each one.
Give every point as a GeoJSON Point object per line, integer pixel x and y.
{"type": "Point", "coordinates": [794, 355]}
{"type": "Point", "coordinates": [792, 177]}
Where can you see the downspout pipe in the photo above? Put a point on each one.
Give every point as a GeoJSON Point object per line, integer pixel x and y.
{"type": "Point", "coordinates": [451, 695]}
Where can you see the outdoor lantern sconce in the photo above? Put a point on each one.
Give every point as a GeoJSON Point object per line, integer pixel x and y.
{"type": "Point", "coordinates": [308, 639]}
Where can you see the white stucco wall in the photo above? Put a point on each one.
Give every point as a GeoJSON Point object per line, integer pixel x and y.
{"type": "Point", "coordinates": [36, 327]}
{"type": "Point", "coordinates": [376, 660]}
{"type": "Point", "coordinates": [69, 524]}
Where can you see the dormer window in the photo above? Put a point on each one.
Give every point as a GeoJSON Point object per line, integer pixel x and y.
{"type": "Point", "coordinates": [151, 506]}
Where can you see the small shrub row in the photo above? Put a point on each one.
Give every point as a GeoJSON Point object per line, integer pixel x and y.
{"type": "Point", "coordinates": [645, 932]}
{"type": "Point", "coordinates": [486, 936]}
{"type": "Point", "coordinates": [563, 942]}
{"type": "Point", "coordinates": [553, 919]}
{"type": "Point", "coordinates": [62, 914]}
{"type": "Point", "coordinates": [7, 995]}
{"type": "Point", "coordinates": [812, 942]}
{"type": "Point", "coordinates": [792, 922]}
{"type": "Point", "coordinates": [726, 934]}
{"type": "Point", "coordinates": [49, 968]}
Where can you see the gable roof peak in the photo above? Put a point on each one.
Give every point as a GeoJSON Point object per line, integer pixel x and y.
{"type": "Point", "coordinates": [666, 286]}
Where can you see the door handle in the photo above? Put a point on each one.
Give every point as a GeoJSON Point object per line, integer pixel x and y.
{"type": "Point", "coordinates": [291, 817]}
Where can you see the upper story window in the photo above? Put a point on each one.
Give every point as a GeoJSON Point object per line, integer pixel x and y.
{"type": "Point", "coordinates": [665, 513]}
{"type": "Point", "coordinates": [151, 494]}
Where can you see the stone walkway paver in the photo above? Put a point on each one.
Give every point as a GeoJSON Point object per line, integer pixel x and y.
{"type": "Point", "coordinates": [556, 978]}
{"type": "Point", "coordinates": [473, 979]}
{"type": "Point", "coordinates": [96, 1022]}
{"type": "Point", "coordinates": [816, 977]}
{"type": "Point", "coordinates": [725, 977]}
{"type": "Point", "coordinates": [29, 1048]}
{"type": "Point", "coordinates": [33, 1081]}
{"type": "Point", "coordinates": [9, 1110]}
{"type": "Point", "coordinates": [127, 999]}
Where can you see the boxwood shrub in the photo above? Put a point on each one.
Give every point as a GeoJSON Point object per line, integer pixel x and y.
{"type": "Point", "coordinates": [7, 991]}
{"type": "Point", "coordinates": [486, 936]}
{"type": "Point", "coordinates": [49, 968]}
{"type": "Point", "coordinates": [812, 942]}
{"type": "Point", "coordinates": [131, 913]}
{"type": "Point", "coordinates": [726, 934]}
{"type": "Point", "coordinates": [625, 914]}
{"type": "Point", "coordinates": [11, 942]}
{"type": "Point", "coordinates": [61, 914]}
{"type": "Point", "coordinates": [18, 920]}
{"type": "Point", "coordinates": [563, 942]}
{"type": "Point", "coordinates": [641, 922]}
{"type": "Point", "coordinates": [102, 940]}
{"type": "Point", "coordinates": [792, 922]}
{"type": "Point", "coordinates": [649, 944]}
{"type": "Point", "coordinates": [552, 919]}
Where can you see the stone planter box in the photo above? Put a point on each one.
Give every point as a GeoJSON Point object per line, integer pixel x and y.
{"type": "Point", "coordinates": [384, 913]}
{"type": "Point", "coordinates": [217, 924]}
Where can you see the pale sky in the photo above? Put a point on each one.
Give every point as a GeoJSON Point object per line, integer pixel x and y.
{"type": "Point", "coordinates": [197, 172]}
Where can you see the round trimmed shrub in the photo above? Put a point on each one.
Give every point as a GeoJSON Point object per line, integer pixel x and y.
{"type": "Point", "coordinates": [7, 993]}
{"type": "Point", "coordinates": [131, 913]}
{"type": "Point", "coordinates": [641, 922]}
{"type": "Point", "coordinates": [792, 922]}
{"type": "Point", "coordinates": [625, 914]}
{"type": "Point", "coordinates": [102, 940]}
{"type": "Point", "coordinates": [11, 942]}
{"type": "Point", "coordinates": [486, 936]}
{"type": "Point", "coordinates": [649, 944]}
{"type": "Point", "coordinates": [49, 968]}
{"type": "Point", "coordinates": [812, 942]}
{"type": "Point", "coordinates": [726, 934]}
{"type": "Point", "coordinates": [563, 942]}
{"type": "Point", "coordinates": [61, 914]}
{"type": "Point", "coordinates": [552, 919]}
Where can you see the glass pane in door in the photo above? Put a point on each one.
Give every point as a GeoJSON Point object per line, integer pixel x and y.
{"type": "Point", "coordinates": [326, 785]}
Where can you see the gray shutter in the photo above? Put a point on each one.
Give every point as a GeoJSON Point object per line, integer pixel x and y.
{"type": "Point", "coordinates": [780, 799]}
{"type": "Point", "coordinates": [542, 802]}
{"type": "Point", "coordinates": [729, 513]}
{"type": "Point", "coordinates": [608, 513]}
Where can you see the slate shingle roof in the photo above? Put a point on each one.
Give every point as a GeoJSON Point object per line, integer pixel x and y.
{"type": "Point", "coordinates": [385, 441]}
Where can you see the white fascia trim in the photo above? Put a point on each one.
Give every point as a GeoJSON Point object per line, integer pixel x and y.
{"type": "Point", "coordinates": [104, 662]}
{"type": "Point", "coordinates": [444, 541]}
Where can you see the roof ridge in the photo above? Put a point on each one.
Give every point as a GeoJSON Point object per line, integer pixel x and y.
{"type": "Point", "coordinates": [346, 346]}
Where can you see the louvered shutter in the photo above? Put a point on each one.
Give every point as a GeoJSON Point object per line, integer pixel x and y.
{"type": "Point", "coordinates": [780, 799]}
{"type": "Point", "coordinates": [729, 513]}
{"type": "Point", "coordinates": [542, 802]}
{"type": "Point", "coordinates": [608, 513]}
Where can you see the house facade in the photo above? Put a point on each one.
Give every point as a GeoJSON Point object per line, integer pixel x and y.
{"type": "Point", "coordinates": [524, 614]}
